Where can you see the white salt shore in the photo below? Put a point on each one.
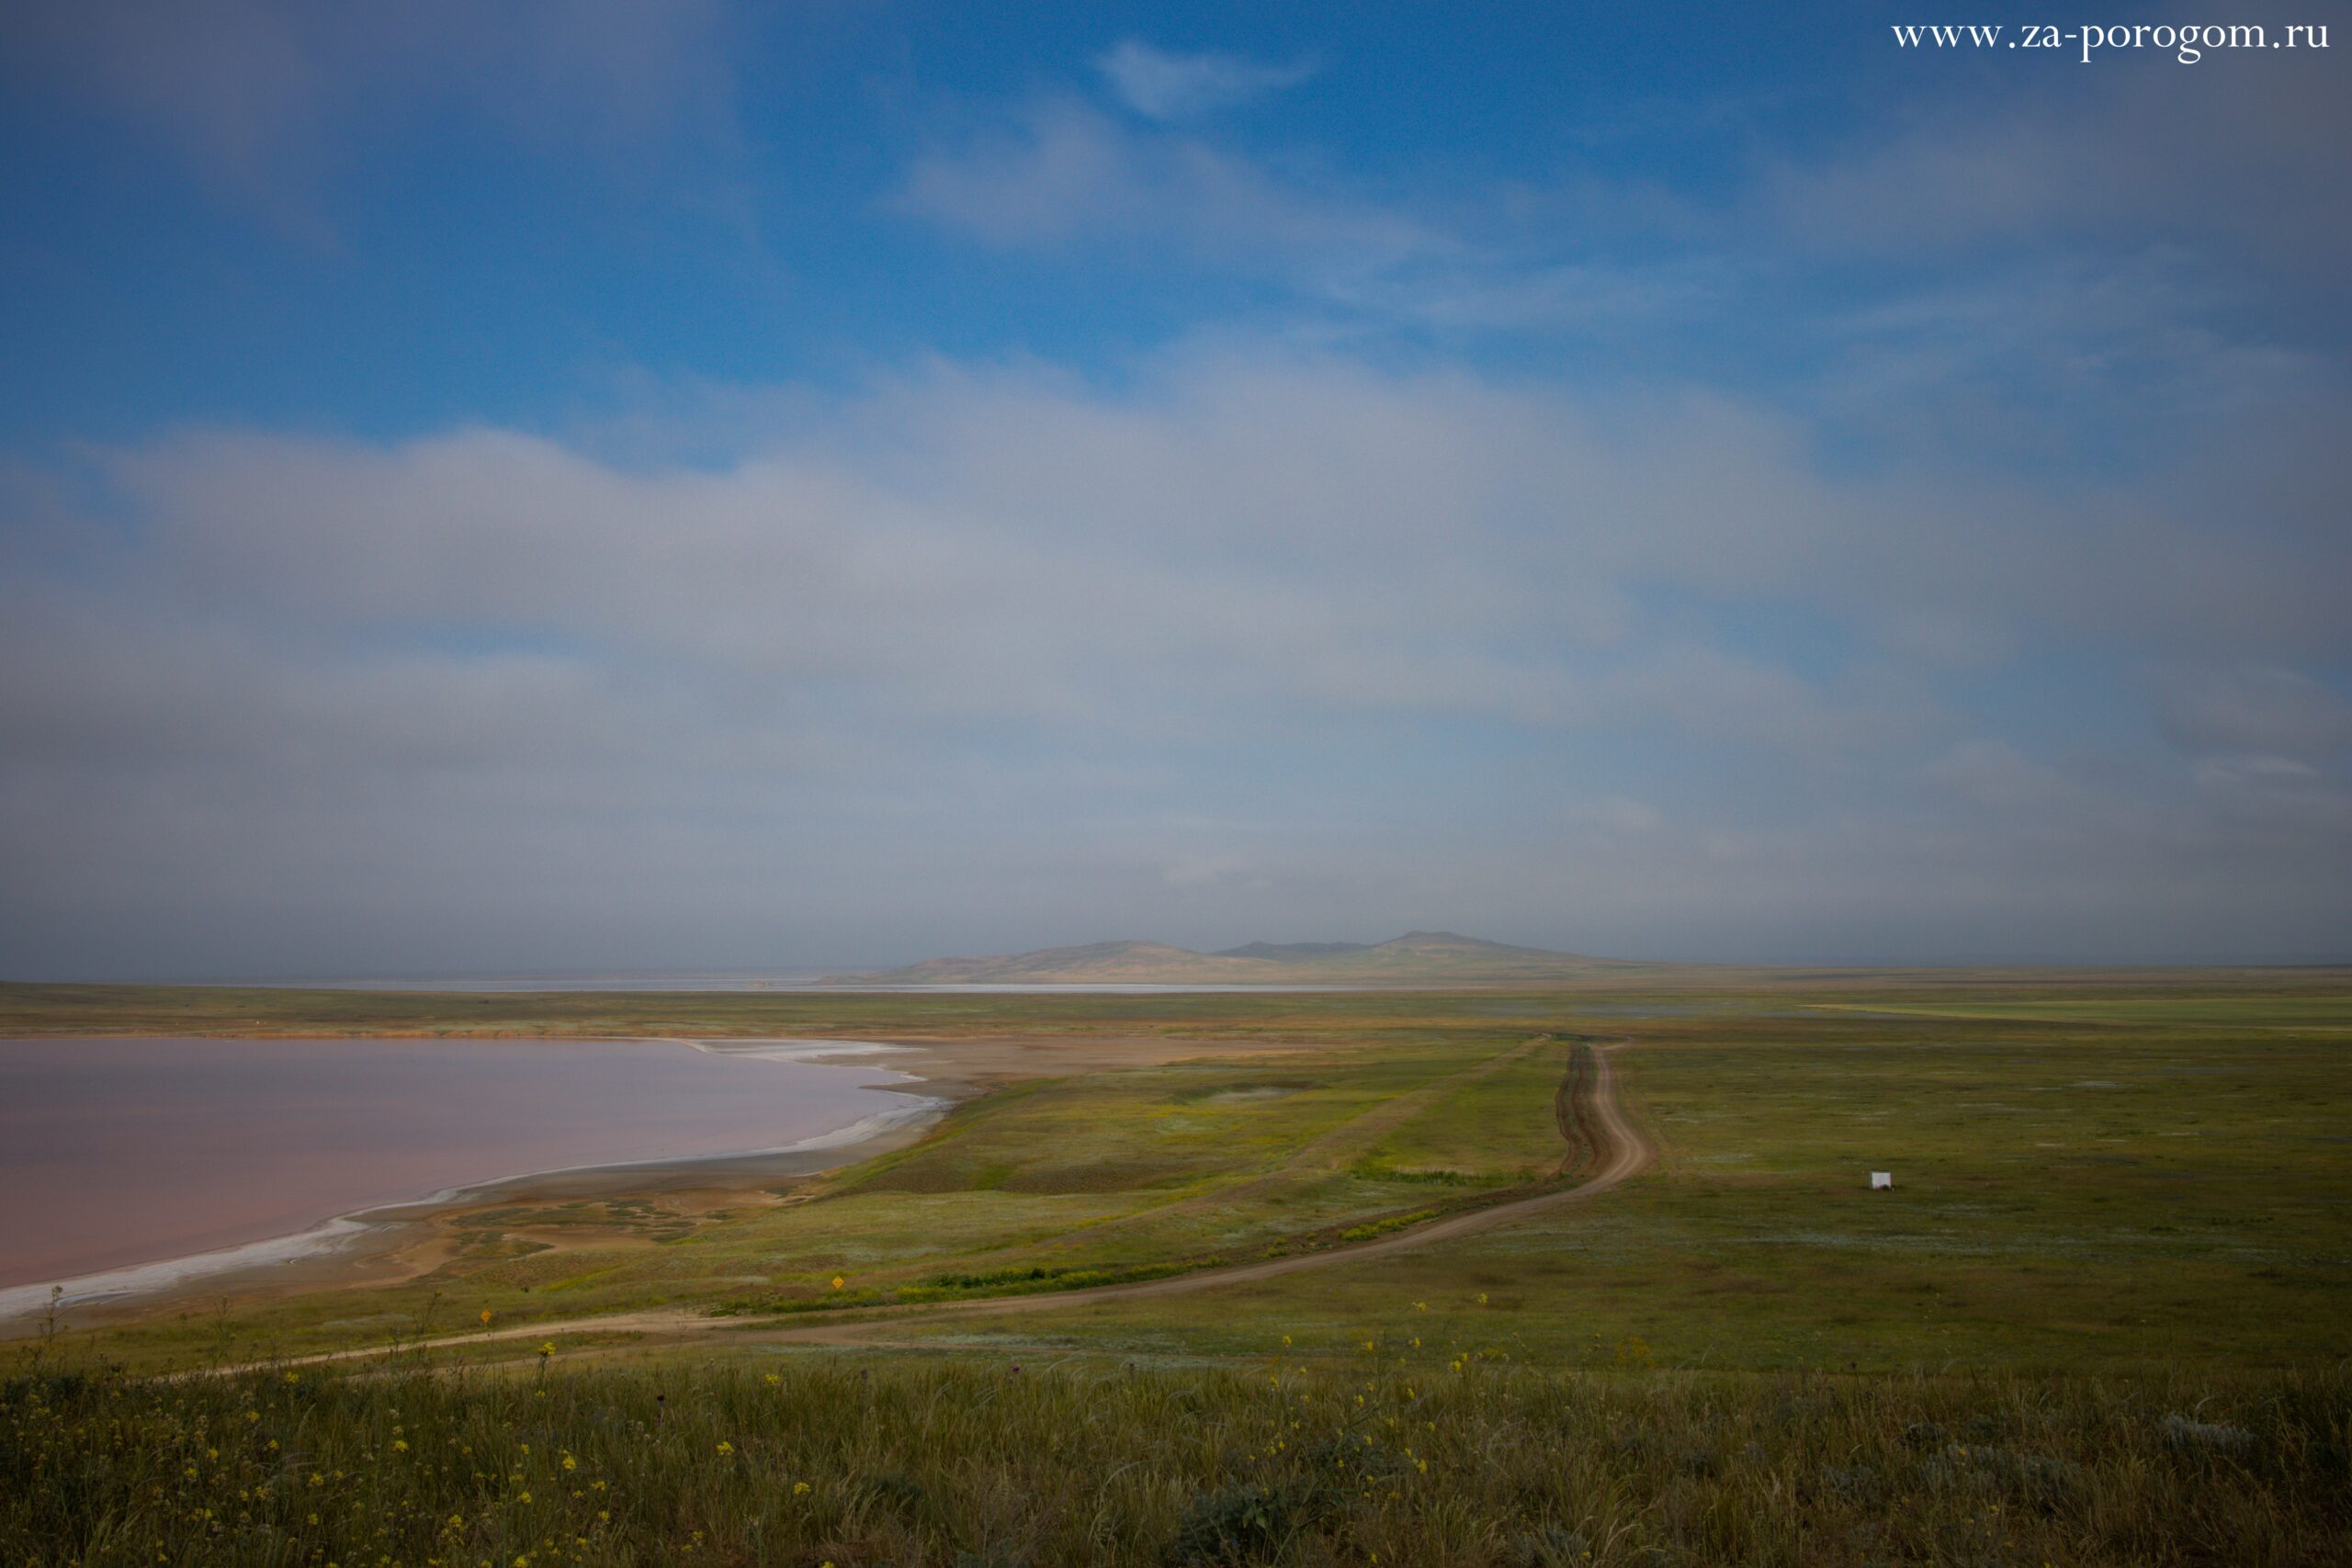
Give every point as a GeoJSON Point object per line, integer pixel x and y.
{"type": "Point", "coordinates": [21, 1305]}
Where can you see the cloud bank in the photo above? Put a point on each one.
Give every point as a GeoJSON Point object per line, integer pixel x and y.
{"type": "Point", "coordinates": [1265, 642]}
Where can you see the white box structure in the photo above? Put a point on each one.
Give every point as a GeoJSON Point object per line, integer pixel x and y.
{"type": "Point", "coordinates": [1882, 1178]}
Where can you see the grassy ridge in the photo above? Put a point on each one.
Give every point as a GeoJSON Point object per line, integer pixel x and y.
{"type": "Point", "coordinates": [998, 1465]}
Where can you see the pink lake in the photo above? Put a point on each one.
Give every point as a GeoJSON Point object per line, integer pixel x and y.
{"type": "Point", "coordinates": [116, 1152]}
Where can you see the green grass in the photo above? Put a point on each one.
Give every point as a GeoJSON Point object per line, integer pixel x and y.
{"type": "Point", "coordinates": [998, 1464]}
{"type": "Point", "coordinates": [2316, 995]}
{"type": "Point", "coordinates": [1116, 1175]}
{"type": "Point", "coordinates": [2259, 1011]}
{"type": "Point", "coordinates": [1497, 1129]}
{"type": "Point", "coordinates": [2099, 1319]}
{"type": "Point", "coordinates": [2119, 1200]}
{"type": "Point", "coordinates": [2117, 1192]}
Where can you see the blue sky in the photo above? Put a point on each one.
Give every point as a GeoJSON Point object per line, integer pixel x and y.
{"type": "Point", "coordinates": [522, 486]}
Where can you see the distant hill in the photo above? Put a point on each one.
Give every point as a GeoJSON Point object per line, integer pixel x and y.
{"type": "Point", "coordinates": [1104, 962]}
{"type": "Point", "coordinates": [1285, 950]}
{"type": "Point", "coordinates": [1415, 958]}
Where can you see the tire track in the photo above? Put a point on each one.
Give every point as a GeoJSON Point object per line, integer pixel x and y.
{"type": "Point", "coordinates": [1584, 1105]}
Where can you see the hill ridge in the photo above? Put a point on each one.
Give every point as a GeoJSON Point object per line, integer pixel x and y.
{"type": "Point", "coordinates": [1417, 956]}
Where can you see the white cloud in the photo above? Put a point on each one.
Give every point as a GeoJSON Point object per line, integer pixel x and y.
{"type": "Point", "coordinates": [1994, 774]}
{"type": "Point", "coordinates": [2237, 153]}
{"type": "Point", "coordinates": [2255, 709]}
{"type": "Point", "coordinates": [1069, 177]}
{"type": "Point", "coordinates": [1263, 642]}
{"type": "Point", "coordinates": [1160, 85]}
{"type": "Point", "coordinates": [1067, 181]}
{"type": "Point", "coordinates": [2290, 804]}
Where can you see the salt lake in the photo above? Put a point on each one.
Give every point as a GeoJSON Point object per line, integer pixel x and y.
{"type": "Point", "coordinates": [116, 1153]}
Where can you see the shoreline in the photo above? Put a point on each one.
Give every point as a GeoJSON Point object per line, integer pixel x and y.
{"type": "Point", "coordinates": [366, 1246]}
{"type": "Point", "coordinates": [390, 1244]}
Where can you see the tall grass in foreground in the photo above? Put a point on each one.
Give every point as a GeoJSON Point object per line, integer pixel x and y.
{"type": "Point", "coordinates": [814, 1460]}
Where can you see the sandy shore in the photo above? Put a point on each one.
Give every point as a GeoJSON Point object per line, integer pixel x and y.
{"type": "Point", "coordinates": [407, 1240]}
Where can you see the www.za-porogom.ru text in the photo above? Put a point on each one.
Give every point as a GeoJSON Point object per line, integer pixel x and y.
{"type": "Point", "coordinates": [2188, 42]}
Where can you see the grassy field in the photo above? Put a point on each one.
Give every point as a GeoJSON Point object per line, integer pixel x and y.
{"type": "Point", "coordinates": [2302, 998]}
{"type": "Point", "coordinates": [2115, 1181]}
{"type": "Point", "coordinates": [1002, 1465]}
{"type": "Point", "coordinates": [1040, 1465]}
{"type": "Point", "coordinates": [2124, 1198]}
{"type": "Point", "coordinates": [2117, 1223]}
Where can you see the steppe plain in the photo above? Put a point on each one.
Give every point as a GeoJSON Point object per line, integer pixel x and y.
{"type": "Point", "coordinates": [1585, 1270]}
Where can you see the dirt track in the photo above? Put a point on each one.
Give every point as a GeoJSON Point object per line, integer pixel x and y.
{"type": "Point", "coordinates": [1586, 1108]}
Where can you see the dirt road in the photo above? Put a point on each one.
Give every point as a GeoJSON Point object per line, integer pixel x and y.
{"type": "Point", "coordinates": [1588, 1109]}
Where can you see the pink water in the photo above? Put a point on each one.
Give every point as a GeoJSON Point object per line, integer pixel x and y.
{"type": "Point", "coordinates": [116, 1152]}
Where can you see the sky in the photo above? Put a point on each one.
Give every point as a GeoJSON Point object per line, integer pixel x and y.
{"type": "Point", "coordinates": [504, 486]}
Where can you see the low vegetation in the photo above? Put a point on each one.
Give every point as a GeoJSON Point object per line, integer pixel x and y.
{"type": "Point", "coordinates": [997, 1464]}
